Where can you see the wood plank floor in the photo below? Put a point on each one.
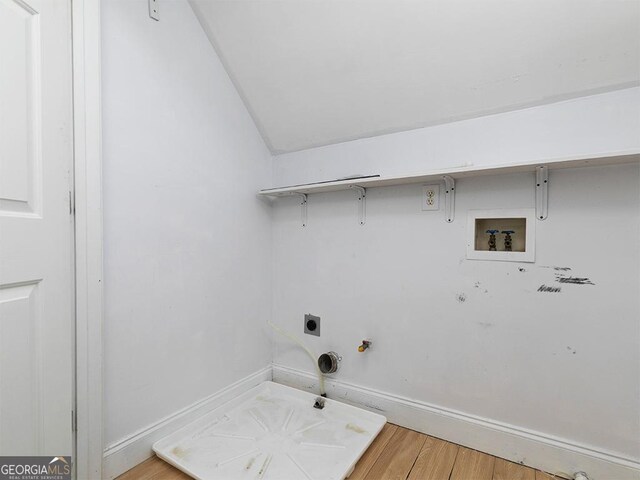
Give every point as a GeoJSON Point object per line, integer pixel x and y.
{"type": "Point", "coordinates": [396, 454]}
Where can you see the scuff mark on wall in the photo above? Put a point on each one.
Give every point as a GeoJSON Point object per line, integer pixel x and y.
{"type": "Point", "coordinates": [476, 285]}
{"type": "Point", "coordinates": [370, 405]}
{"type": "Point", "coordinates": [573, 280]}
{"type": "Point", "coordinates": [544, 288]}
{"type": "Point", "coordinates": [461, 297]}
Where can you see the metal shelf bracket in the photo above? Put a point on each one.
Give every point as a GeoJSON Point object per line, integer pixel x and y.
{"type": "Point", "coordinates": [303, 207]}
{"type": "Point", "coordinates": [362, 202]}
{"type": "Point", "coordinates": [542, 196]}
{"type": "Point", "coordinates": [449, 198]}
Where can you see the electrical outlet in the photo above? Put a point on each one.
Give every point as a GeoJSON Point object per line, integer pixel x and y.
{"type": "Point", "coordinates": [312, 325]}
{"type": "Point", "coordinates": [431, 197]}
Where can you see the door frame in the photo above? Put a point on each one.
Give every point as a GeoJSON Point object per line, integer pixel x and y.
{"type": "Point", "coordinates": [87, 134]}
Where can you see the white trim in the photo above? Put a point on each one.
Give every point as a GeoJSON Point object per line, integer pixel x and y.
{"type": "Point", "coordinates": [88, 236]}
{"type": "Point", "coordinates": [130, 451]}
{"type": "Point", "coordinates": [538, 450]}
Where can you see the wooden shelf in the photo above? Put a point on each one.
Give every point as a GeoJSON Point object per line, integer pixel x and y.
{"type": "Point", "coordinates": [617, 158]}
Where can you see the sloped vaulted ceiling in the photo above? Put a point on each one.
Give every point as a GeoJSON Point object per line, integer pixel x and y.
{"type": "Point", "coordinates": [315, 72]}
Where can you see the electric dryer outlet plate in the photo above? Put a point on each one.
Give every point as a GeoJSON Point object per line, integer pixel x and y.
{"type": "Point", "coordinates": [312, 324]}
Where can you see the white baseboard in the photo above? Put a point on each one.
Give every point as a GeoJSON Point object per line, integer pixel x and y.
{"type": "Point", "coordinates": [130, 451]}
{"type": "Point", "coordinates": [535, 449]}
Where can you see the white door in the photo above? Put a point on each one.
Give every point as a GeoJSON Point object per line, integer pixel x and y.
{"type": "Point", "coordinates": [36, 293]}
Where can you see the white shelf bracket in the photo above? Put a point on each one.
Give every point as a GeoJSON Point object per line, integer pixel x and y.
{"type": "Point", "coordinates": [303, 207]}
{"type": "Point", "coordinates": [362, 202]}
{"type": "Point", "coordinates": [449, 198]}
{"type": "Point", "coordinates": [153, 10]}
{"type": "Point", "coordinates": [542, 196]}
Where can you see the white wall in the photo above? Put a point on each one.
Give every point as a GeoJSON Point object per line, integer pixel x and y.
{"type": "Point", "coordinates": [190, 252]}
{"type": "Point", "coordinates": [565, 364]}
{"type": "Point", "coordinates": [589, 125]}
{"type": "Point", "coordinates": [187, 243]}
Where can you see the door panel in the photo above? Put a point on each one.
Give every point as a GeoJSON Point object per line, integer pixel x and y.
{"type": "Point", "coordinates": [36, 283]}
{"type": "Point", "coordinates": [20, 101]}
{"type": "Point", "coordinates": [20, 365]}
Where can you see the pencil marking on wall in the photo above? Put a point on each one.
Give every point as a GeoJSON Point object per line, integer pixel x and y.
{"type": "Point", "coordinates": [522, 270]}
{"type": "Point", "coordinates": [544, 288]}
{"type": "Point", "coordinates": [558, 269]}
{"type": "Point", "coordinates": [369, 405]}
{"type": "Point", "coordinates": [571, 350]}
{"type": "Point", "coordinates": [574, 280]}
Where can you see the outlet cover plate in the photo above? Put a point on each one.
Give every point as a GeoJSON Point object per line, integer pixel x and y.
{"type": "Point", "coordinates": [431, 197]}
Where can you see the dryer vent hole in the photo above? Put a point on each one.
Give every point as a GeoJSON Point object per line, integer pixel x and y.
{"type": "Point", "coordinates": [329, 362]}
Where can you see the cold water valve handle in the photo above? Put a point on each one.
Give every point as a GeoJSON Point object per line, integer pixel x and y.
{"type": "Point", "coordinates": [508, 241]}
{"type": "Point", "coordinates": [365, 344]}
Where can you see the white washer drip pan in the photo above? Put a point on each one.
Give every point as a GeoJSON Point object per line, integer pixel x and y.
{"type": "Point", "coordinates": [272, 432]}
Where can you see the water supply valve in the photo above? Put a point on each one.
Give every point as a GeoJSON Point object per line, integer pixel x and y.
{"type": "Point", "coordinates": [492, 239]}
{"type": "Point", "coordinates": [508, 241]}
